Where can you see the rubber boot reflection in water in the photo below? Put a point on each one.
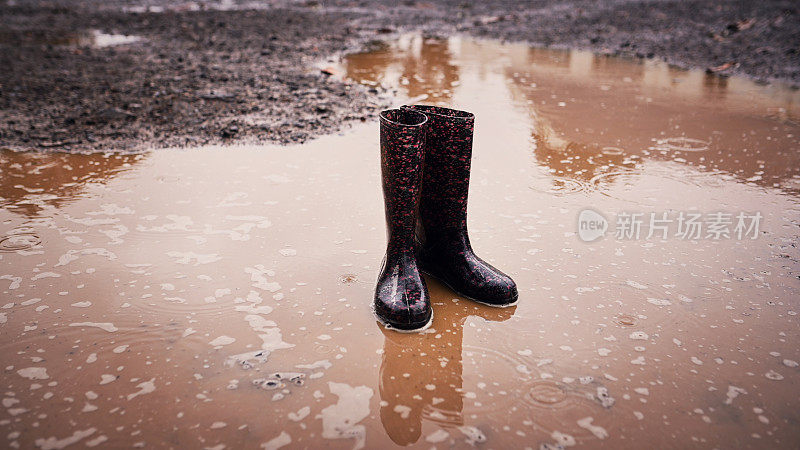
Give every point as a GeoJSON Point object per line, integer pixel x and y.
{"type": "Point", "coordinates": [421, 375]}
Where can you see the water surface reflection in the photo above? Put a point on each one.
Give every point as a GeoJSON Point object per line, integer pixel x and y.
{"type": "Point", "coordinates": [220, 296]}
{"type": "Point", "coordinates": [591, 114]}
{"type": "Point", "coordinates": [30, 182]}
{"type": "Point", "coordinates": [421, 376]}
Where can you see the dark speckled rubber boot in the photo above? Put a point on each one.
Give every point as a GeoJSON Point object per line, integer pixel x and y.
{"type": "Point", "coordinates": [401, 297]}
{"type": "Point", "coordinates": [444, 248]}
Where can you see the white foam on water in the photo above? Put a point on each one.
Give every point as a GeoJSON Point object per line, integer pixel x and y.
{"type": "Point", "coordinates": [177, 223]}
{"type": "Point", "coordinates": [34, 373]}
{"type": "Point", "coordinates": [248, 360]}
{"type": "Point", "coordinates": [437, 436]}
{"type": "Point", "coordinates": [563, 439]}
{"type": "Point", "coordinates": [340, 420]}
{"type": "Point", "coordinates": [276, 178]}
{"type": "Point", "coordinates": [89, 222]}
{"type": "Point", "coordinates": [111, 209]}
{"type": "Point", "coordinates": [88, 407]}
{"type": "Point", "coordinates": [96, 441]}
{"type": "Point", "coordinates": [145, 387]}
{"type": "Point", "coordinates": [222, 340]}
{"type": "Point", "coordinates": [267, 331]}
{"type": "Point", "coordinates": [240, 232]}
{"type": "Point", "coordinates": [257, 322]}
{"type": "Point", "coordinates": [15, 281]}
{"type": "Point", "coordinates": [403, 410]}
{"type": "Point", "coordinates": [658, 301]}
{"type": "Point", "coordinates": [231, 200]}
{"type": "Point", "coordinates": [105, 326]}
{"type": "Point", "coordinates": [275, 443]}
{"type": "Point", "coordinates": [598, 431]}
{"type": "Point", "coordinates": [636, 285]}
{"type": "Point", "coordinates": [73, 255]}
{"type": "Point", "coordinates": [251, 221]}
{"type": "Point", "coordinates": [53, 443]}
{"type": "Point", "coordinates": [639, 336]}
{"type": "Point", "coordinates": [473, 435]}
{"type": "Point", "coordinates": [198, 258]}
{"type": "Point", "coordinates": [84, 304]}
{"type": "Point", "coordinates": [114, 234]}
{"type": "Point", "coordinates": [271, 339]}
{"type": "Point", "coordinates": [733, 392]}
{"type": "Point", "coordinates": [39, 276]}
{"type": "Point", "coordinates": [260, 281]}
{"type": "Point", "coordinates": [321, 364]}
{"type": "Point", "coordinates": [301, 414]}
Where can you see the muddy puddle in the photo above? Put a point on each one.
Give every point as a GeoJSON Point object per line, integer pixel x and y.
{"type": "Point", "coordinates": [219, 297]}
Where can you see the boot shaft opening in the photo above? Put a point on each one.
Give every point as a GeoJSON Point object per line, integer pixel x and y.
{"type": "Point", "coordinates": [402, 118]}
{"type": "Point", "coordinates": [441, 113]}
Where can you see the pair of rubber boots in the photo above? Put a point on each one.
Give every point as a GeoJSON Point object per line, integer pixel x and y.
{"type": "Point", "coordinates": [426, 153]}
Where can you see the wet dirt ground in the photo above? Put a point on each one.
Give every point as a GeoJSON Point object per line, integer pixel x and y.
{"type": "Point", "coordinates": [219, 297]}
{"type": "Point", "coordinates": [190, 73]}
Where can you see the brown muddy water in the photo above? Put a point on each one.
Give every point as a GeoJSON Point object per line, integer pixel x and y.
{"type": "Point", "coordinates": [220, 297]}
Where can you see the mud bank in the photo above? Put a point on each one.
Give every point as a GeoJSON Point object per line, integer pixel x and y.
{"type": "Point", "coordinates": [181, 78]}
{"type": "Point", "coordinates": [83, 76]}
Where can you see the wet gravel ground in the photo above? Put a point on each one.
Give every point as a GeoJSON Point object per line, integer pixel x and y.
{"type": "Point", "coordinates": [225, 72]}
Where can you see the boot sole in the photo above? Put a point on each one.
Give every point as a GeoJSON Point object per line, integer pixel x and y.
{"type": "Point", "coordinates": [389, 326]}
{"type": "Point", "coordinates": [493, 305]}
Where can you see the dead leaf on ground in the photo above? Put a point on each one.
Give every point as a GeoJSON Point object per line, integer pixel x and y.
{"type": "Point", "coordinates": [741, 25]}
{"type": "Point", "coordinates": [721, 67]}
{"type": "Point", "coordinates": [330, 70]}
{"type": "Point", "coordinates": [745, 24]}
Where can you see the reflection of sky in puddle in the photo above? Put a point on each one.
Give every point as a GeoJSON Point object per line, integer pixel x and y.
{"type": "Point", "coordinates": [201, 288]}
{"type": "Point", "coordinates": [586, 113]}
